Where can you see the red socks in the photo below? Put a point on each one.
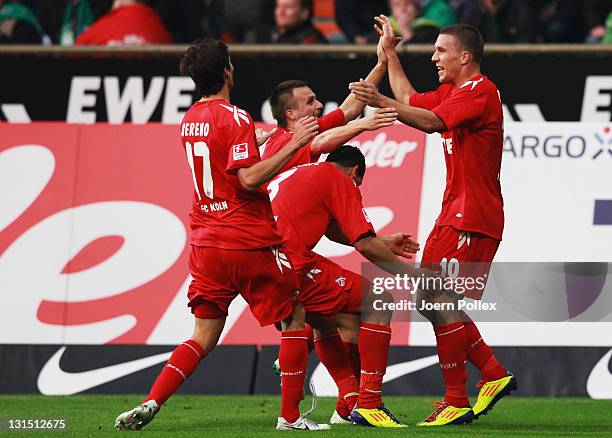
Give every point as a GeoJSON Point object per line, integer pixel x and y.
{"type": "Point", "coordinates": [481, 355]}
{"type": "Point", "coordinates": [293, 356]}
{"type": "Point", "coordinates": [353, 353]}
{"type": "Point", "coordinates": [374, 349]}
{"type": "Point", "coordinates": [452, 351]}
{"type": "Point", "coordinates": [184, 360]}
{"type": "Point", "coordinates": [333, 356]}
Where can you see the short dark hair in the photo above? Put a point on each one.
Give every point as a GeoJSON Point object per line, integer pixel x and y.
{"type": "Point", "coordinates": [281, 99]}
{"type": "Point", "coordinates": [205, 62]}
{"type": "Point", "coordinates": [469, 38]}
{"type": "Point", "coordinates": [348, 156]}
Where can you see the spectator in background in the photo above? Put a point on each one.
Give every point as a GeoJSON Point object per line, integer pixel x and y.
{"type": "Point", "coordinates": [595, 13]}
{"type": "Point", "coordinates": [78, 16]}
{"type": "Point", "coordinates": [19, 25]}
{"type": "Point", "coordinates": [559, 21]}
{"type": "Point", "coordinates": [607, 39]}
{"type": "Point", "coordinates": [237, 18]}
{"type": "Point", "coordinates": [128, 23]}
{"type": "Point", "coordinates": [438, 11]}
{"type": "Point", "coordinates": [501, 21]}
{"type": "Point", "coordinates": [293, 25]}
{"type": "Point", "coordinates": [355, 19]}
{"type": "Point", "coordinates": [409, 25]}
{"type": "Point", "coordinates": [182, 18]}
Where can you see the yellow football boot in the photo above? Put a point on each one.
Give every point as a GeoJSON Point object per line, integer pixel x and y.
{"type": "Point", "coordinates": [491, 392]}
{"type": "Point", "coordinates": [447, 414]}
{"type": "Point", "coordinates": [377, 417]}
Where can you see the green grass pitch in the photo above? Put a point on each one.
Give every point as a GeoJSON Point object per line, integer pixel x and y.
{"type": "Point", "coordinates": [239, 416]}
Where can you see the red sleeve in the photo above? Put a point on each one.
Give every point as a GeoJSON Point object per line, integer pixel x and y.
{"type": "Point", "coordinates": [431, 99]}
{"type": "Point", "coordinates": [343, 199]}
{"type": "Point", "coordinates": [464, 109]}
{"type": "Point", "coordinates": [331, 120]}
{"type": "Point", "coordinates": [243, 150]}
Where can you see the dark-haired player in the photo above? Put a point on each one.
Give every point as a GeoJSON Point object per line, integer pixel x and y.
{"type": "Point", "coordinates": [291, 100]}
{"type": "Point", "coordinates": [319, 199]}
{"type": "Point", "coordinates": [466, 109]}
{"type": "Point", "coordinates": [232, 231]}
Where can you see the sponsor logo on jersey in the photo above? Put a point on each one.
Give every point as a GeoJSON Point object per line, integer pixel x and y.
{"type": "Point", "coordinates": [464, 237]}
{"type": "Point", "coordinates": [238, 114]}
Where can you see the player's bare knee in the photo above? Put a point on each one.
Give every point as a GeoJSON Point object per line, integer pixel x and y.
{"type": "Point", "coordinates": [207, 332]}
{"type": "Point", "coordinates": [377, 308]}
{"type": "Point", "coordinates": [321, 325]}
{"type": "Point", "coordinates": [348, 326]}
{"type": "Point", "coordinates": [297, 319]}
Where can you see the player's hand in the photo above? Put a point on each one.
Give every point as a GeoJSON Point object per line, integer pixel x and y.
{"type": "Point", "coordinates": [263, 136]}
{"type": "Point", "coordinates": [305, 130]}
{"type": "Point", "coordinates": [380, 118]}
{"type": "Point", "coordinates": [380, 50]}
{"type": "Point", "coordinates": [367, 93]}
{"type": "Point", "coordinates": [387, 40]}
{"type": "Point", "coordinates": [401, 244]}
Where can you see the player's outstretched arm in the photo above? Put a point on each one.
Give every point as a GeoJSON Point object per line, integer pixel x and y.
{"type": "Point", "coordinates": [401, 244]}
{"type": "Point", "coordinates": [328, 141]}
{"type": "Point", "coordinates": [352, 107]}
{"type": "Point", "coordinates": [400, 85]}
{"type": "Point", "coordinates": [418, 118]}
{"type": "Point", "coordinates": [260, 173]}
{"type": "Point", "coordinates": [376, 251]}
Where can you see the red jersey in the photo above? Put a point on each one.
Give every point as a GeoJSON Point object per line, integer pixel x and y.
{"type": "Point", "coordinates": [131, 25]}
{"type": "Point", "coordinates": [306, 200]}
{"type": "Point", "coordinates": [283, 136]}
{"type": "Point", "coordinates": [219, 139]}
{"type": "Point", "coordinates": [472, 146]}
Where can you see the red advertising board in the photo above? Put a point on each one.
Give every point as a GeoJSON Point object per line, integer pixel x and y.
{"type": "Point", "coordinates": [93, 228]}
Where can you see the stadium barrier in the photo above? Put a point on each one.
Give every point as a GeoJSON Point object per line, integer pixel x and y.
{"type": "Point", "coordinates": [85, 85]}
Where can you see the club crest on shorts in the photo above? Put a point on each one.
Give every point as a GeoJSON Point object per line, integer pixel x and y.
{"type": "Point", "coordinates": [341, 281]}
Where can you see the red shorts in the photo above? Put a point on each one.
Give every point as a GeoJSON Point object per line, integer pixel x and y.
{"type": "Point", "coordinates": [448, 248]}
{"type": "Point", "coordinates": [263, 277]}
{"type": "Point", "coordinates": [329, 289]}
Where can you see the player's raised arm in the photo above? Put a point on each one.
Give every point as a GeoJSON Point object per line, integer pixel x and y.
{"type": "Point", "coordinates": [329, 140]}
{"type": "Point", "coordinates": [352, 107]}
{"type": "Point", "coordinates": [400, 84]}
{"type": "Point", "coordinates": [260, 173]}
{"type": "Point", "coordinates": [418, 118]}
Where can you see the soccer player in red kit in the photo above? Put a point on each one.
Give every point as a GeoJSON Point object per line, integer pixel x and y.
{"type": "Point", "coordinates": [235, 248]}
{"type": "Point", "coordinates": [291, 100]}
{"type": "Point", "coordinates": [466, 109]}
{"type": "Point", "coordinates": [319, 199]}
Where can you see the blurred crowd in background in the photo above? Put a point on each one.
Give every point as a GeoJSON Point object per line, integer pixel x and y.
{"type": "Point", "coordinates": [135, 22]}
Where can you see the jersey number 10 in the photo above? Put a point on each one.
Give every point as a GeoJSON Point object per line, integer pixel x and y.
{"type": "Point", "coordinates": [200, 149]}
